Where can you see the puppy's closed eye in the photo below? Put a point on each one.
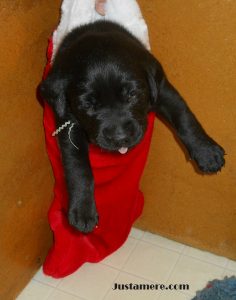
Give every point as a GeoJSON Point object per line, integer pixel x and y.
{"type": "Point", "coordinates": [131, 96]}
{"type": "Point", "coordinates": [89, 104]}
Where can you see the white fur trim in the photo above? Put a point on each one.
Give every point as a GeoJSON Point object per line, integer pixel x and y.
{"type": "Point", "coordinates": [75, 13]}
{"type": "Point", "coordinates": [128, 13]}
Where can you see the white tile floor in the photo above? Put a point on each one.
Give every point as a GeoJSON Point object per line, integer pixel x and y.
{"type": "Point", "coordinates": [145, 258]}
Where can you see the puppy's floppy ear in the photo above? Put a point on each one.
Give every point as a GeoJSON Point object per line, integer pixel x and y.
{"type": "Point", "coordinates": [155, 75]}
{"type": "Point", "coordinates": [53, 90]}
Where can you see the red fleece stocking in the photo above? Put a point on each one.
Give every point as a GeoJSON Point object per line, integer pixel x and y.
{"type": "Point", "coordinates": [118, 199]}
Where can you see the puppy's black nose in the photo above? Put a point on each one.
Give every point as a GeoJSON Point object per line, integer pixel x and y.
{"type": "Point", "coordinates": [121, 140]}
{"type": "Point", "coordinates": [116, 135]}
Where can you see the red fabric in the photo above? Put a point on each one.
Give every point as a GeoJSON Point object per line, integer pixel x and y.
{"type": "Point", "coordinates": [118, 199]}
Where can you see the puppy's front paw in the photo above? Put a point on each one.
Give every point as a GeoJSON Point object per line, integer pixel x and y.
{"type": "Point", "coordinates": [209, 156]}
{"type": "Point", "coordinates": [83, 218]}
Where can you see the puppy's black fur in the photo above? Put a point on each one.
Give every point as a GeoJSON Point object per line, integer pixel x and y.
{"type": "Point", "coordinates": [105, 81]}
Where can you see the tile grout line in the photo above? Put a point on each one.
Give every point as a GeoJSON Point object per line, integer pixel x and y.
{"type": "Point", "coordinates": [108, 290]}
{"type": "Point", "coordinates": [72, 294]}
{"type": "Point", "coordinates": [138, 239]}
{"type": "Point", "coordinates": [163, 247]}
{"type": "Point", "coordinates": [40, 283]}
{"type": "Point", "coordinates": [172, 270]}
{"type": "Point", "coordinates": [124, 263]}
{"type": "Point", "coordinates": [56, 288]}
{"type": "Point", "coordinates": [47, 284]}
{"type": "Point", "coordinates": [185, 246]}
{"type": "Point", "coordinates": [134, 275]}
{"type": "Point", "coordinates": [107, 265]}
{"type": "Point", "coordinates": [185, 255]}
{"type": "Point", "coordinates": [50, 293]}
{"type": "Point", "coordinates": [120, 270]}
{"type": "Point", "coordinates": [188, 255]}
{"type": "Point", "coordinates": [203, 260]}
{"type": "Point", "coordinates": [211, 254]}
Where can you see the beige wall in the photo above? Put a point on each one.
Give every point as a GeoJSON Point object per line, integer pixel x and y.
{"type": "Point", "coordinates": [195, 41]}
{"type": "Point", "coordinates": [25, 174]}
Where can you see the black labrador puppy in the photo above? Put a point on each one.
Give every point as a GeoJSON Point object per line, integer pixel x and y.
{"type": "Point", "coordinates": [105, 82]}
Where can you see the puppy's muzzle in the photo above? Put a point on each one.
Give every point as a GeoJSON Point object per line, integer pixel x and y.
{"type": "Point", "coordinates": [119, 135]}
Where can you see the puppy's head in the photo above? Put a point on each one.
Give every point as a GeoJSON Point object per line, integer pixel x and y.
{"type": "Point", "coordinates": [109, 95]}
{"type": "Point", "coordinates": [111, 104]}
